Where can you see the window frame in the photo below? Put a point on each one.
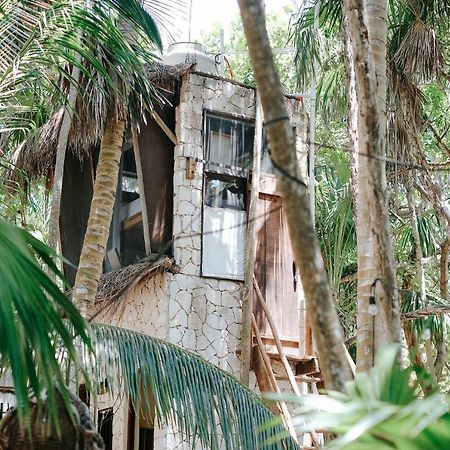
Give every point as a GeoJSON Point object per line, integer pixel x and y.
{"type": "Point", "coordinates": [214, 170]}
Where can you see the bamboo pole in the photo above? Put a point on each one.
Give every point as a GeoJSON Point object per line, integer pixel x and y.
{"type": "Point", "coordinates": [140, 177]}
{"type": "Point", "coordinates": [247, 300]}
{"type": "Point", "coordinates": [266, 359]}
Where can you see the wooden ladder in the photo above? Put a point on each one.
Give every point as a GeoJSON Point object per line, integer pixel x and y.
{"type": "Point", "coordinates": [269, 382]}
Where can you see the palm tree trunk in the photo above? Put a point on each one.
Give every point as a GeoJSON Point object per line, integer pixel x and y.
{"type": "Point", "coordinates": [352, 115]}
{"type": "Point", "coordinates": [324, 321]}
{"type": "Point", "coordinates": [100, 215]}
{"type": "Point", "coordinates": [63, 138]}
{"type": "Point", "coordinates": [367, 28]}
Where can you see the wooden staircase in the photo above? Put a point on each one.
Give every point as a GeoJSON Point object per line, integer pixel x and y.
{"type": "Point", "coordinates": [276, 366]}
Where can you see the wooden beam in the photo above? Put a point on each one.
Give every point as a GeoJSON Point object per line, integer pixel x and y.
{"type": "Point", "coordinates": [140, 177]}
{"type": "Point", "coordinates": [165, 128]}
{"type": "Point", "coordinates": [131, 221]}
{"type": "Point", "coordinates": [287, 343]}
{"type": "Point", "coordinates": [250, 249]}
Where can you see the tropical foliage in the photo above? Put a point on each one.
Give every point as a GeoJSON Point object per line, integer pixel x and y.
{"type": "Point", "coordinates": [206, 403]}
{"type": "Point", "coordinates": [380, 410]}
{"type": "Point", "coordinates": [32, 328]}
{"type": "Point", "coordinates": [417, 149]}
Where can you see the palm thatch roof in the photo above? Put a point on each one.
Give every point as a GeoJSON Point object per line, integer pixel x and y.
{"type": "Point", "coordinates": [114, 285]}
{"type": "Point", "coordinates": [37, 155]}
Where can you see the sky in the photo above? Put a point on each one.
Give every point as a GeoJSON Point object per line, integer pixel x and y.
{"type": "Point", "coordinates": [206, 13]}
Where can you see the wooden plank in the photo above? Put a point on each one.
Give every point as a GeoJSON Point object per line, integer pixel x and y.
{"type": "Point", "coordinates": [131, 221]}
{"type": "Point", "coordinates": [131, 209]}
{"type": "Point", "coordinates": [165, 128]}
{"type": "Point", "coordinates": [287, 343]}
{"type": "Point", "coordinates": [308, 336]}
{"type": "Point", "coordinates": [140, 177]}
{"type": "Point", "coordinates": [250, 251]}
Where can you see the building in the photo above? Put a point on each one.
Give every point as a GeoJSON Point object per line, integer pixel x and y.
{"type": "Point", "coordinates": [176, 253]}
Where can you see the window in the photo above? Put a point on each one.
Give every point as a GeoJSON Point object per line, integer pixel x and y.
{"type": "Point", "coordinates": [228, 151]}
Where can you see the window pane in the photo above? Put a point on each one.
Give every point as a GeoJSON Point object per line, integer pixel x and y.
{"type": "Point", "coordinates": [225, 194]}
{"type": "Point", "coordinates": [223, 242]}
{"type": "Point", "coordinates": [229, 142]}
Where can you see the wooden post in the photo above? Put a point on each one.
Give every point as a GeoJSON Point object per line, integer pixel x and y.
{"type": "Point", "coordinates": [308, 335]}
{"type": "Point", "coordinates": [247, 300]}
{"type": "Point", "coordinates": [140, 176]}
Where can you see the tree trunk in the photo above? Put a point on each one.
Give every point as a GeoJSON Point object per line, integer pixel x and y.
{"type": "Point", "coordinates": [326, 328]}
{"type": "Point", "coordinates": [63, 138]}
{"type": "Point", "coordinates": [443, 276]}
{"type": "Point", "coordinates": [367, 28]}
{"type": "Point", "coordinates": [352, 105]}
{"type": "Point", "coordinates": [100, 215]}
{"type": "Point", "coordinates": [420, 271]}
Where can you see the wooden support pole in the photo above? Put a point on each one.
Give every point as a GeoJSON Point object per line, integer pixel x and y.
{"type": "Point", "coordinates": [247, 300]}
{"type": "Point", "coordinates": [168, 132]}
{"type": "Point", "coordinates": [285, 412]}
{"type": "Point", "coordinates": [140, 176]}
{"type": "Point", "coordinates": [308, 335]}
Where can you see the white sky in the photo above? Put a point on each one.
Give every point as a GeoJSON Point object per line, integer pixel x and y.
{"type": "Point", "coordinates": [206, 13]}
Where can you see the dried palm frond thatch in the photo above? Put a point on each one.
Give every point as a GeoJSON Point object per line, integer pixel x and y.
{"type": "Point", "coordinates": [37, 155]}
{"type": "Point", "coordinates": [114, 285]}
{"type": "Point", "coordinates": [419, 55]}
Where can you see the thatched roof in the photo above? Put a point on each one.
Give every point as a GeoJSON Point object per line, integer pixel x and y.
{"type": "Point", "coordinates": [114, 285]}
{"type": "Point", "coordinates": [36, 157]}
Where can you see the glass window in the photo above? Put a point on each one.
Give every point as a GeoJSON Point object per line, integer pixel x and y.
{"type": "Point", "coordinates": [229, 144]}
{"type": "Point", "coordinates": [228, 151]}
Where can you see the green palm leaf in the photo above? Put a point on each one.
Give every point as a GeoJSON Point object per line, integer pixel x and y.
{"type": "Point", "coordinates": [188, 391]}
{"type": "Point", "coordinates": [30, 324]}
{"type": "Point", "coordinates": [379, 411]}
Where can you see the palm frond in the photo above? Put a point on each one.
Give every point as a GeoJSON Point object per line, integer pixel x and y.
{"type": "Point", "coordinates": [39, 43]}
{"type": "Point", "coordinates": [379, 411]}
{"type": "Point", "coordinates": [30, 324]}
{"type": "Point", "coordinates": [419, 55]}
{"type": "Point", "coordinates": [188, 391]}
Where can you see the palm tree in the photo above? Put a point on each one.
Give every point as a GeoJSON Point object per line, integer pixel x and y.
{"type": "Point", "coordinates": [415, 53]}
{"type": "Point", "coordinates": [130, 360]}
{"type": "Point", "coordinates": [133, 363]}
{"type": "Point", "coordinates": [367, 27]}
{"type": "Point", "coordinates": [325, 325]}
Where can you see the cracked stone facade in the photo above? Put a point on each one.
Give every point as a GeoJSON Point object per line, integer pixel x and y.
{"type": "Point", "coordinates": [198, 313]}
